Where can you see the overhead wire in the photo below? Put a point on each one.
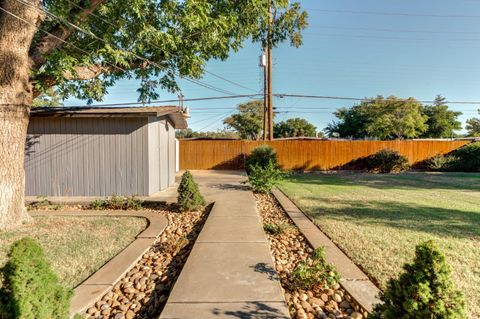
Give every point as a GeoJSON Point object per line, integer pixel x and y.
{"type": "Point", "coordinates": [78, 28]}
{"type": "Point", "coordinates": [154, 45]}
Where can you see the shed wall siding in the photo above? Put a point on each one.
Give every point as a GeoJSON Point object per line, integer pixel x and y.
{"type": "Point", "coordinates": [162, 153]}
{"type": "Point", "coordinates": [87, 156]}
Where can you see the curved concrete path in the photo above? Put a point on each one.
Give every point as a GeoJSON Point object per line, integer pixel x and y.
{"type": "Point", "coordinates": [230, 272]}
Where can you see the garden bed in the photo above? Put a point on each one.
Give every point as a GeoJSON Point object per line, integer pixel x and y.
{"type": "Point", "coordinates": [289, 247]}
{"type": "Point", "coordinates": [71, 243]}
{"type": "Point", "coordinates": [144, 290]}
{"type": "Point", "coordinates": [377, 220]}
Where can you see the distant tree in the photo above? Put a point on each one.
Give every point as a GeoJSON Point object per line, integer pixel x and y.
{"type": "Point", "coordinates": [473, 126]}
{"type": "Point", "coordinates": [49, 98]}
{"type": "Point", "coordinates": [351, 124]}
{"type": "Point", "coordinates": [441, 121]}
{"type": "Point", "coordinates": [189, 133]}
{"type": "Point", "coordinates": [248, 122]}
{"type": "Point", "coordinates": [382, 118]}
{"type": "Point", "coordinates": [296, 127]}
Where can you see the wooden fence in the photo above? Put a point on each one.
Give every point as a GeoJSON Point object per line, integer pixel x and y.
{"type": "Point", "coordinates": [305, 154]}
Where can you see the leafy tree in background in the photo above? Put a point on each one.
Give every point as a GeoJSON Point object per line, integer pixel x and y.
{"type": "Point", "coordinates": [118, 37]}
{"type": "Point", "coordinates": [189, 133]}
{"type": "Point", "coordinates": [296, 127]}
{"type": "Point", "coordinates": [473, 126]}
{"type": "Point", "coordinates": [382, 118]}
{"type": "Point", "coordinates": [441, 121]}
{"type": "Point", "coordinates": [50, 98]}
{"type": "Point", "coordinates": [248, 122]}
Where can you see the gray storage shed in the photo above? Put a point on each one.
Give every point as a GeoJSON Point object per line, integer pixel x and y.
{"type": "Point", "coordinates": [101, 151]}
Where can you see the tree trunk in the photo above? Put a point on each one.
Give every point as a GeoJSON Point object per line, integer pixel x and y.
{"type": "Point", "coordinates": [15, 101]}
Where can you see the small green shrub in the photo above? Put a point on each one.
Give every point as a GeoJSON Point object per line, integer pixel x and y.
{"type": "Point", "coordinates": [424, 290]}
{"type": "Point", "coordinates": [276, 229]}
{"type": "Point", "coordinates": [262, 179]}
{"type": "Point", "coordinates": [468, 158]}
{"type": "Point", "coordinates": [387, 161]}
{"type": "Point", "coordinates": [189, 197]}
{"type": "Point", "coordinates": [261, 156]}
{"type": "Point", "coordinates": [441, 162]}
{"type": "Point", "coordinates": [314, 271]}
{"type": "Point", "coordinates": [117, 203]}
{"type": "Point", "coordinates": [43, 203]}
{"type": "Point", "coordinates": [30, 288]}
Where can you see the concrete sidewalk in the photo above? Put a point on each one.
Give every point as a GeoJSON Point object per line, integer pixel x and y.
{"type": "Point", "coordinates": [230, 272]}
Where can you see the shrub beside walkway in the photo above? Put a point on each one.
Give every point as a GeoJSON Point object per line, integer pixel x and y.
{"type": "Point", "coordinates": [229, 273]}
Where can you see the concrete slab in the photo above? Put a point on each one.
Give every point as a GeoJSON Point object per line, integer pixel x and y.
{"type": "Point", "coordinates": [363, 291]}
{"type": "Point", "coordinates": [228, 272]}
{"type": "Point", "coordinates": [245, 310]}
{"type": "Point", "coordinates": [84, 296]}
{"type": "Point", "coordinates": [226, 229]}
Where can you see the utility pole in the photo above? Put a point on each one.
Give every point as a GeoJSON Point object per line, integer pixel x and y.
{"type": "Point", "coordinates": [269, 73]}
{"type": "Point", "coordinates": [263, 64]}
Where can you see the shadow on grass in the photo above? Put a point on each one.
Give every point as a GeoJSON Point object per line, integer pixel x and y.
{"type": "Point", "coordinates": [433, 220]}
{"type": "Point", "coordinates": [447, 181]}
{"type": "Point", "coordinates": [252, 310]}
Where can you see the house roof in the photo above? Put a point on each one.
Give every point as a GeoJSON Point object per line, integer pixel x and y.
{"type": "Point", "coordinates": [174, 113]}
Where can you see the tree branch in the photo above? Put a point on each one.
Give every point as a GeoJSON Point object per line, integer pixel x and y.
{"type": "Point", "coordinates": [57, 37]}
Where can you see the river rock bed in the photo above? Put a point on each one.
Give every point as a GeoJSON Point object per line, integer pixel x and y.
{"type": "Point", "coordinates": [144, 290]}
{"type": "Point", "coordinates": [288, 249]}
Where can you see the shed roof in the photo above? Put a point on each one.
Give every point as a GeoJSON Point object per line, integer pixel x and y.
{"type": "Point", "coordinates": [174, 113]}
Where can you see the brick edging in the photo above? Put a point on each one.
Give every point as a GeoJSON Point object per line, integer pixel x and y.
{"type": "Point", "coordinates": [353, 279]}
{"type": "Point", "coordinates": [103, 280]}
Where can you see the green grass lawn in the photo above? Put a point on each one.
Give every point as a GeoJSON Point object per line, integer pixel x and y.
{"type": "Point", "coordinates": [378, 219]}
{"type": "Point", "coordinates": [76, 246]}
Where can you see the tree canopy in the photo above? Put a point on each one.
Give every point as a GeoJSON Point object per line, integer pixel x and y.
{"type": "Point", "coordinates": [442, 122]}
{"type": "Point", "coordinates": [189, 133]}
{"type": "Point", "coordinates": [90, 45]}
{"type": "Point", "coordinates": [295, 127]}
{"type": "Point", "coordinates": [382, 118]}
{"type": "Point", "coordinates": [248, 122]}
{"type": "Point", "coordinates": [473, 126]}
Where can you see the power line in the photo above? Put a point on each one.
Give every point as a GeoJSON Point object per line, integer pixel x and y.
{"type": "Point", "coordinates": [208, 86]}
{"type": "Point", "coordinates": [237, 96]}
{"type": "Point", "coordinates": [401, 14]}
{"type": "Point", "coordinates": [364, 99]}
{"type": "Point", "coordinates": [392, 30]}
{"type": "Point", "coordinates": [154, 45]}
{"type": "Point", "coordinates": [60, 39]}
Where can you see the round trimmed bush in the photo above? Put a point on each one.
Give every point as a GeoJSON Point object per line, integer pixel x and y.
{"type": "Point", "coordinates": [30, 288]}
{"type": "Point", "coordinates": [468, 158]}
{"type": "Point", "coordinates": [424, 290]}
{"type": "Point", "coordinates": [387, 161]}
{"type": "Point", "coordinates": [189, 197]}
{"type": "Point", "coordinates": [261, 156]}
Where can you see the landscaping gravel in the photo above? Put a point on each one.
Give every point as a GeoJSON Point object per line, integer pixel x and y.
{"type": "Point", "coordinates": [288, 249]}
{"type": "Point", "coordinates": [144, 290]}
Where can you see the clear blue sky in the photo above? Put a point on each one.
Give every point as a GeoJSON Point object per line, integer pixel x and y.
{"type": "Point", "coordinates": [351, 54]}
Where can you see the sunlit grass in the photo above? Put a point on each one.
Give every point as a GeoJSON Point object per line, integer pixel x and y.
{"type": "Point", "coordinates": [379, 219]}
{"type": "Point", "coordinates": [76, 246]}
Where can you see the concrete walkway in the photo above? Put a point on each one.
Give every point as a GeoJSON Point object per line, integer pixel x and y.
{"type": "Point", "coordinates": [230, 272]}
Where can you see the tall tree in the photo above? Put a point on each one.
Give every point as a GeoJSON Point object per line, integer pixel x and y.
{"type": "Point", "coordinates": [382, 118]}
{"type": "Point", "coordinates": [84, 47]}
{"type": "Point", "coordinates": [248, 122]}
{"type": "Point", "coordinates": [441, 121]}
{"type": "Point", "coordinates": [473, 126]}
{"type": "Point", "coordinates": [296, 127]}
